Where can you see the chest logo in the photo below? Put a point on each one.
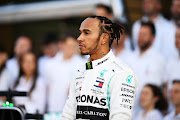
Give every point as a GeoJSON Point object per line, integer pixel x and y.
{"type": "Point", "coordinates": [129, 79]}
{"type": "Point", "coordinates": [102, 72]}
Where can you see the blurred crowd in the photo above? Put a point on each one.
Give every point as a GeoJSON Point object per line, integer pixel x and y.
{"type": "Point", "coordinates": [153, 52]}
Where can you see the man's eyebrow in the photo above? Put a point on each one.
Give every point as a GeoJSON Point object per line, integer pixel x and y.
{"type": "Point", "coordinates": [85, 30]}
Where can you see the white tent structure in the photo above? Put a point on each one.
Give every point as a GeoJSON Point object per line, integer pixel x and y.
{"type": "Point", "coordinates": [55, 9]}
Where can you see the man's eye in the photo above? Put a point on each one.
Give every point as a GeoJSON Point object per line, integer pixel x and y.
{"type": "Point", "coordinates": [86, 33]}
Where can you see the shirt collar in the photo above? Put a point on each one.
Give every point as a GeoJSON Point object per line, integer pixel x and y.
{"type": "Point", "coordinates": [95, 63]}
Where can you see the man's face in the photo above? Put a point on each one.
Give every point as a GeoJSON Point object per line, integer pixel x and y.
{"type": "Point", "coordinates": [22, 45]}
{"type": "Point", "coordinates": [175, 9]}
{"type": "Point", "coordinates": [50, 50]}
{"type": "Point", "coordinates": [89, 36]}
{"type": "Point", "coordinates": [175, 94]}
{"type": "Point", "coordinates": [70, 47]}
{"type": "Point", "coordinates": [149, 7]}
{"type": "Point", "coordinates": [178, 39]}
{"type": "Point", "coordinates": [145, 37]}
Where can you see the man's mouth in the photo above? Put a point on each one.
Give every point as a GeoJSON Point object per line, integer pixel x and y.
{"type": "Point", "coordinates": [81, 46]}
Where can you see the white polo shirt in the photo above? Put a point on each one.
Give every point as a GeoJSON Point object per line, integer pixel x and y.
{"type": "Point", "coordinates": [13, 67]}
{"type": "Point", "coordinates": [37, 99]}
{"type": "Point", "coordinates": [151, 115]}
{"type": "Point", "coordinates": [59, 74]}
{"type": "Point", "coordinates": [172, 116]}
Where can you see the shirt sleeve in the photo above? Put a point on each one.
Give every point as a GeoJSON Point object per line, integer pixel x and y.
{"type": "Point", "coordinates": [69, 111]}
{"type": "Point", "coordinates": [123, 89]}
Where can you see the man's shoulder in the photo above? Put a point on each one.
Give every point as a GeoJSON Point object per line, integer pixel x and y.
{"type": "Point", "coordinates": [169, 116]}
{"type": "Point", "coordinates": [120, 66]}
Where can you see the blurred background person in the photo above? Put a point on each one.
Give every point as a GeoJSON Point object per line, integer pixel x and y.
{"type": "Point", "coordinates": [122, 49]}
{"type": "Point", "coordinates": [163, 39]}
{"type": "Point", "coordinates": [175, 13]}
{"type": "Point", "coordinates": [50, 50]}
{"type": "Point", "coordinates": [153, 103]}
{"type": "Point", "coordinates": [5, 76]}
{"type": "Point", "coordinates": [29, 81]}
{"type": "Point", "coordinates": [22, 45]}
{"type": "Point", "coordinates": [170, 47]}
{"type": "Point", "coordinates": [59, 73]}
{"type": "Point", "coordinates": [175, 98]}
{"type": "Point", "coordinates": [172, 69]}
{"type": "Point", "coordinates": [147, 63]}
{"type": "Point", "coordinates": [104, 10]}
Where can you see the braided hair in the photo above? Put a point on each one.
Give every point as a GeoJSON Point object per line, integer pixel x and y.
{"type": "Point", "coordinates": [114, 30]}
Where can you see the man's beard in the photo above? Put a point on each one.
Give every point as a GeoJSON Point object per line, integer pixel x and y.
{"type": "Point", "coordinates": [96, 43]}
{"type": "Point", "coordinates": [145, 46]}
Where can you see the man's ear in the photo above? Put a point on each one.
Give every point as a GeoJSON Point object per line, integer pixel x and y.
{"type": "Point", "coordinates": [104, 38]}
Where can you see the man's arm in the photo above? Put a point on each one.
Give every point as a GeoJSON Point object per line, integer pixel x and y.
{"type": "Point", "coordinates": [123, 89]}
{"type": "Point", "coordinates": [69, 111]}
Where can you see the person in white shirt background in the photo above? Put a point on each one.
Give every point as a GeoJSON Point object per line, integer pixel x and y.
{"type": "Point", "coordinates": [147, 63]}
{"type": "Point", "coordinates": [175, 98]}
{"type": "Point", "coordinates": [50, 50]}
{"type": "Point", "coordinates": [163, 39]}
{"type": "Point", "coordinates": [29, 81]}
{"type": "Point", "coordinates": [172, 69]}
{"type": "Point", "coordinates": [175, 11]}
{"type": "Point", "coordinates": [153, 102]}
{"type": "Point", "coordinates": [174, 23]}
{"type": "Point", "coordinates": [59, 73]}
{"type": "Point", "coordinates": [5, 76]}
{"type": "Point", "coordinates": [22, 45]}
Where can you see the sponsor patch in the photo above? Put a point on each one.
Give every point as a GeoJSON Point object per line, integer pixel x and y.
{"type": "Point", "coordinates": [129, 79]}
{"type": "Point", "coordinates": [102, 72]}
{"type": "Point", "coordinates": [89, 66]}
{"type": "Point", "coordinates": [99, 84]}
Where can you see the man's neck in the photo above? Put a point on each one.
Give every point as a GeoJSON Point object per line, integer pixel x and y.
{"type": "Point", "coordinates": [148, 109]}
{"type": "Point", "coordinates": [119, 49]}
{"type": "Point", "coordinates": [177, 110]}
{"type": "Point", "coordinates": [66, 57]}
{"type": "Point", "coordinates": [176, 22]}
{"type": "Point", "coordinates": [99, 54]}
{"type": "Point", "coordinates": [144, 50]}
{"type": "Point", "coordinates": [153, 17]}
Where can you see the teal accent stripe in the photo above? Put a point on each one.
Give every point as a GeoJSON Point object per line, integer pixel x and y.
{"type": "Point", "coordinates": [108, 96]}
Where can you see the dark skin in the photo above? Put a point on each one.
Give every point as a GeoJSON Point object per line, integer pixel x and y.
{"type": "Point", "coordinates": [90, 43]}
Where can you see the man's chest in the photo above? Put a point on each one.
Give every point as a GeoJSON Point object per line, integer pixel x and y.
{"type": "Point", "coordinates": [91, 86]}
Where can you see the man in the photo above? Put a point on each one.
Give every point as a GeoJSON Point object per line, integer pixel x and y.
{"type": "Point", "coordinates": [175, 98]}
{"type": "Point", "coordinates": [104, 88]}
{"type": "Point", "coordinates": [22, 45]}
{"type": "Point", "coordinates": [147, 62]}
{"type": "Point", "coordinates": [175, 11]}
{"type": "Point", "coordinates": [175, 21]}
{"type": "Point", "coordinates": [49, 49]}
{"type": "Point", "coordinates": [172, 68]}
{"type": "Point", "coordinates": [58, 73]}
{"type": "Point", "coordinates": [104, 10]}
{"type": "Point", "coordinates": [163, 40]}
